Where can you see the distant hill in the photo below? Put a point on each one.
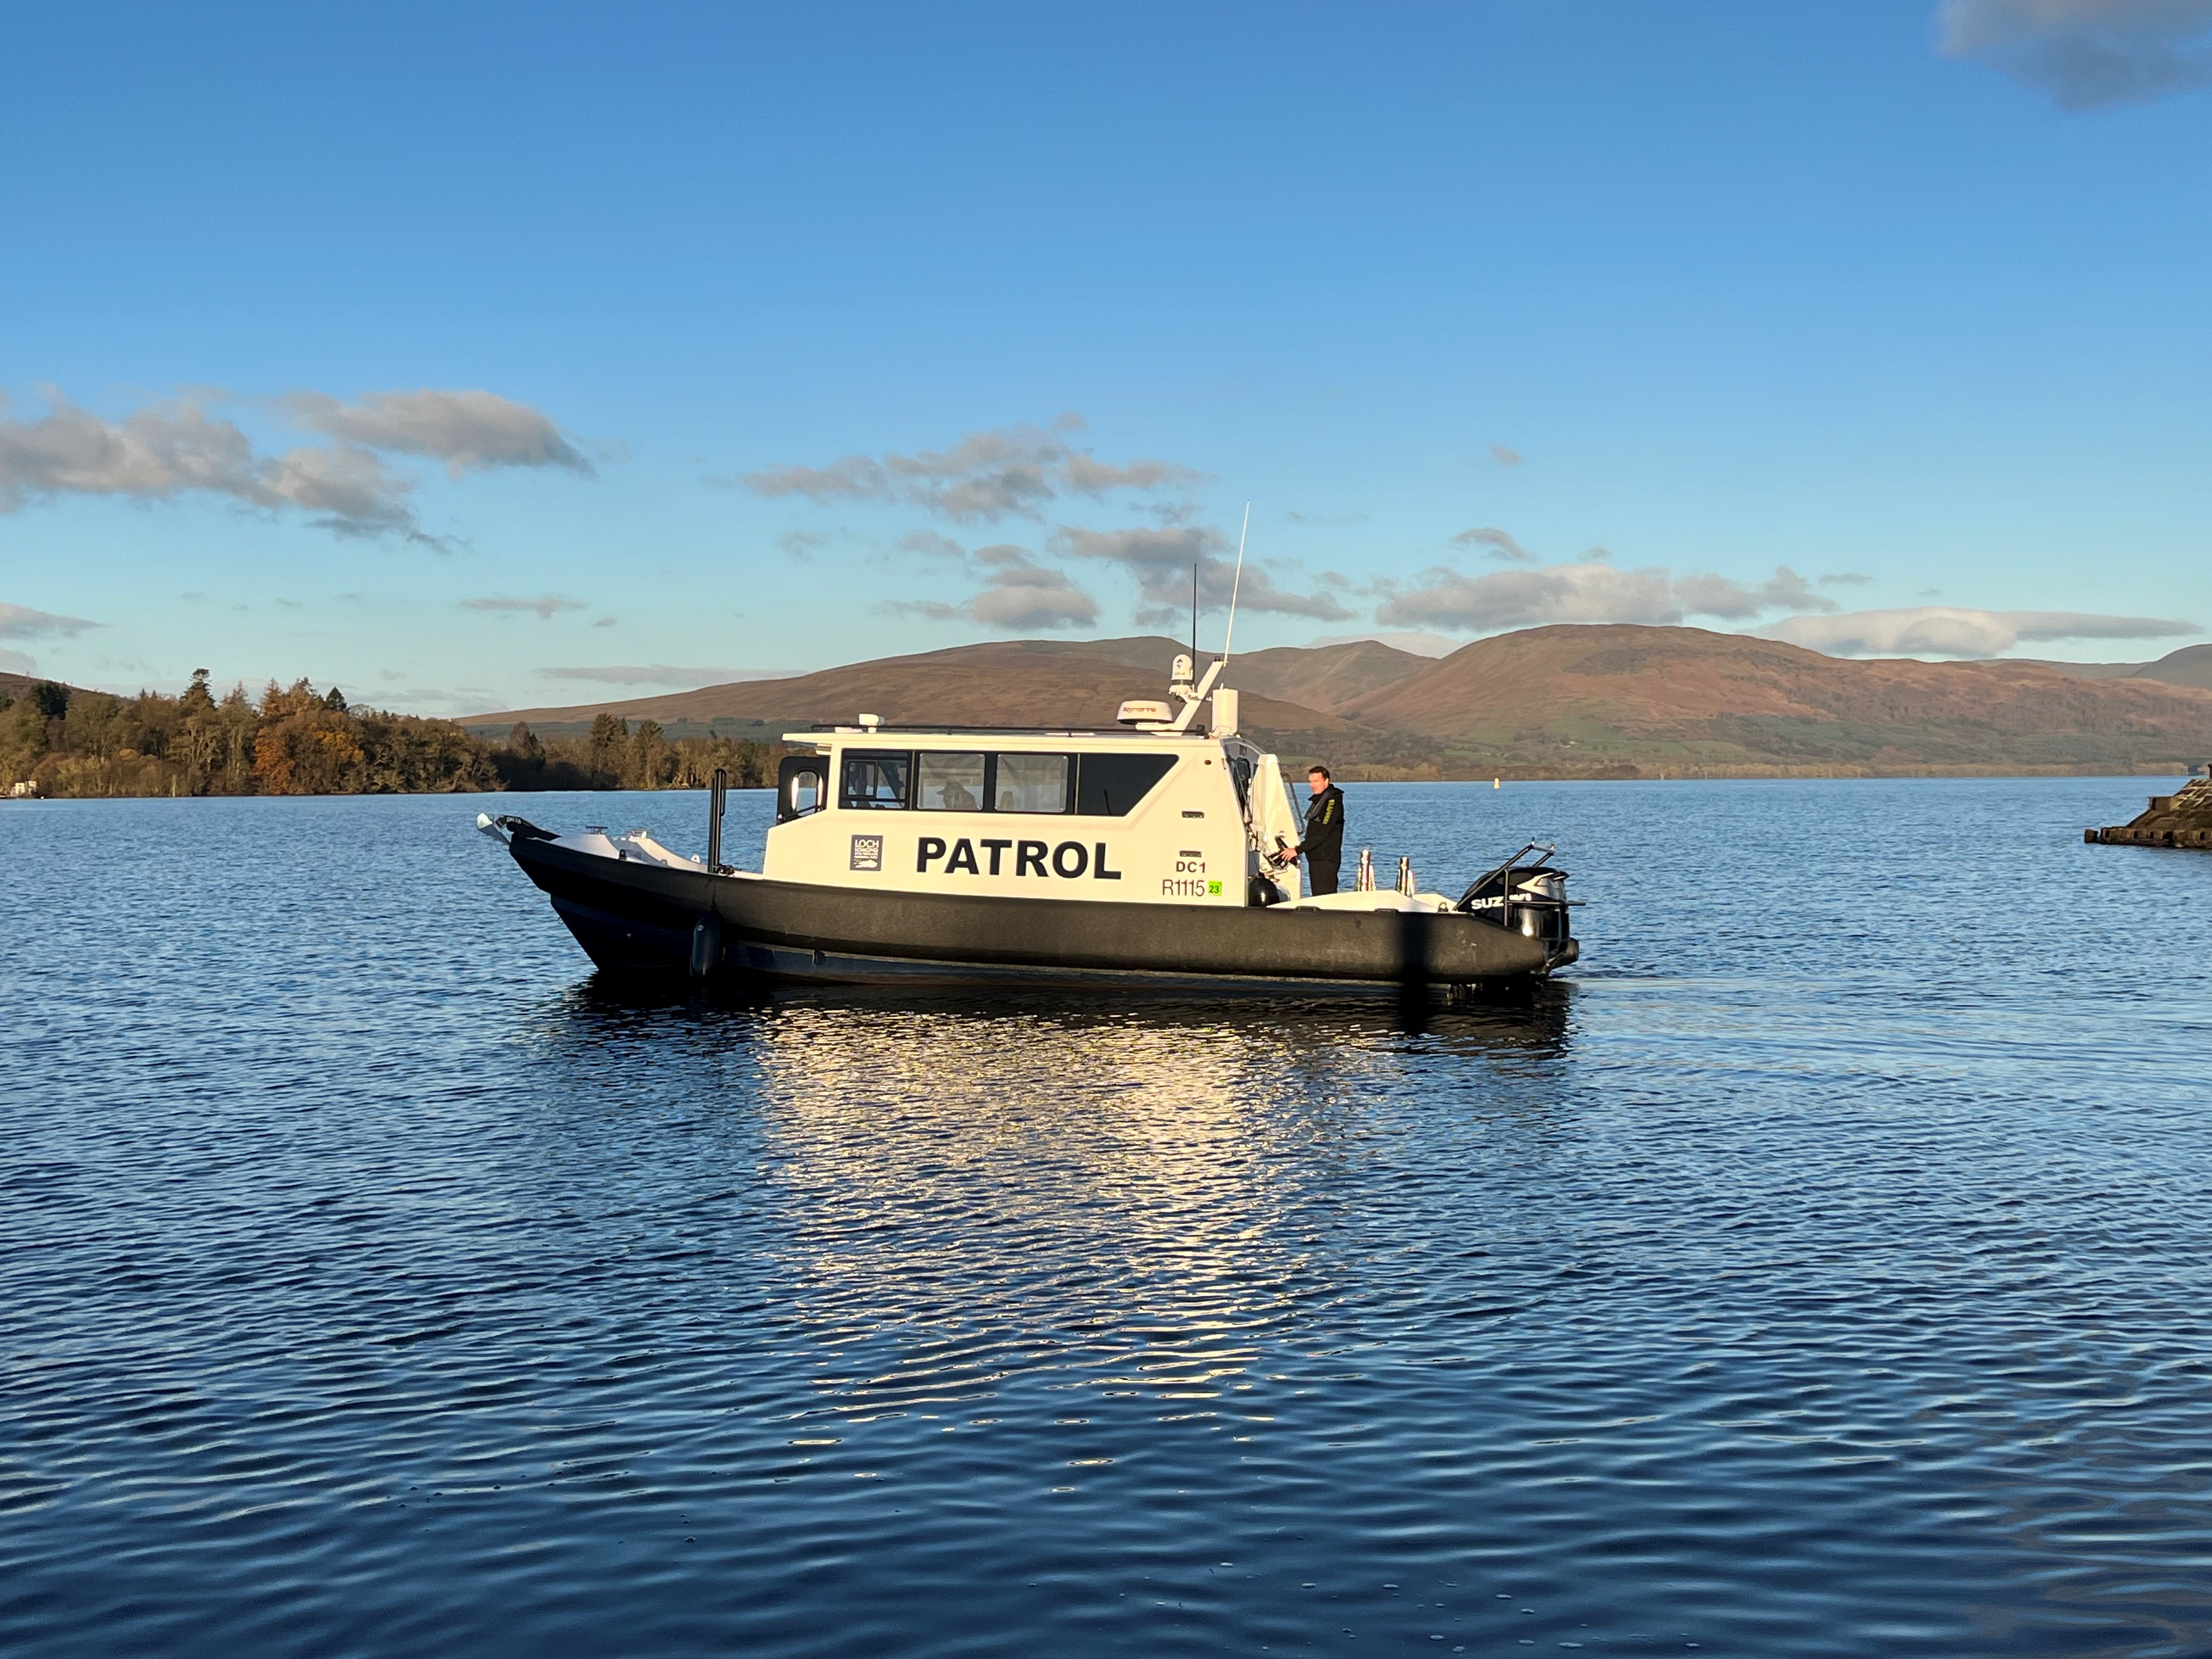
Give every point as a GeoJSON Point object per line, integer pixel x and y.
{"type": "Point", "coordinates": [14, 686]}
{"type": "Point", "coordinates": [1011, 682]}
{"type": "Point", "coordinates": [1328, 676]}
{"type": "Point", "coordinates": [1596, 701]}
{"type": "Point", "coordinates": [2190, 665]}
{"type": "Point", "coordinates": [1598, 697]}
{"type": "Point", "coordinates": [2084, 671]}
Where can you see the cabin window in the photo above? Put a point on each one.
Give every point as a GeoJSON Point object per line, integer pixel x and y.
{"type": "Point", "coordinates": [802, 785]}
{"type": "Point", "coordinates": [1110, 786]}
{"type": "Point", "coordinates": [1032, 783]}
{"type": "Point", "coordinates": [950, 783]}
{"type": "Point", "coordinates": [874, 780]}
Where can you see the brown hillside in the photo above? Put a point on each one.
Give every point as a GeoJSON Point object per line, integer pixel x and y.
{"type": "Point", "coordinates": [2190, 665]}
{"type": "Point", "coordinates": [1330, 677]}
{"type": "Point", "coordinates": [1574, 700]}
{"type": "Point", "coordinates": [1628, 693]}
{"type": "Point", "coordinates": [14, 685]}
{"type": "Point", "coordinates": [2083, 671]}
{"type": "Point", "coordinates": [1013, 682]}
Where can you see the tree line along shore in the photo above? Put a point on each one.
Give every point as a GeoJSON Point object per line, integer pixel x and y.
{"type": "Point", "coordinates": [57, 740]}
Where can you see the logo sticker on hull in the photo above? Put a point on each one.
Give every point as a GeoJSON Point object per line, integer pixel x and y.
{"type": "Point", "coordinates": [867, 852]}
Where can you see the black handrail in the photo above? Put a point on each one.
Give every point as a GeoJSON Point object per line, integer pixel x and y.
{"type": "Point", "coordinates": [1549, 849]}
{"type": "Point", "coordinates": [717, 795]}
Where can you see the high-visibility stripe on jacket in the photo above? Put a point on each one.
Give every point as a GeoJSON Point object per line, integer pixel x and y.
{"type": "Point", "coordinates": [1323, 836]}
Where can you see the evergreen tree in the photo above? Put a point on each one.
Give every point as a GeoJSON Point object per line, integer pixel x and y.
{"type": "Point", "coordinates": [651, 765]}
{"type": "Point", "coordinates": [609, 737]}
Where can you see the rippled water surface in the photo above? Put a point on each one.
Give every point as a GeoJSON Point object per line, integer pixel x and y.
{"type": "Point", "coordinates": [1823, 1267]}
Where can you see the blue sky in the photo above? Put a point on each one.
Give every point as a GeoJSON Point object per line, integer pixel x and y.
{"type": "Point", "coordinates": [488, 356]}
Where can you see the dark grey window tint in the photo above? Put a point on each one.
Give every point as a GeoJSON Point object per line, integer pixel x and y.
{"type": "Point", "coordinates": [874, 780]}
{"type": "Point", "coordinates": [1031, 783]}
{"type": "Point", "coordinates": [949, 783]}
{"type": "Point", "coordinates": [1109, 786]}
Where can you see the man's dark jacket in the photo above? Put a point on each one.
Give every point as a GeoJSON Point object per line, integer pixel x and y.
{"type": "Point", "coordinates": [1323, 838]}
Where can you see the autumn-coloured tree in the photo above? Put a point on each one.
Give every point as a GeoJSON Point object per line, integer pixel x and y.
{"type": "Point", "coordinates": [304, 746]}
{"type": "Point", "coordinates": [296, 740]}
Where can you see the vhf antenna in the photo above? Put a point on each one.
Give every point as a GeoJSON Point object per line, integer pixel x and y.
{"type": "Point", "coordinates": [1182, 722]}
{"type": "Point", "coordinates": [1237, 583]}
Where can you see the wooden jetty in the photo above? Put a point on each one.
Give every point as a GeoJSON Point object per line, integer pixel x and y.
{"type": "Point", "coordinates": [2181, 819]}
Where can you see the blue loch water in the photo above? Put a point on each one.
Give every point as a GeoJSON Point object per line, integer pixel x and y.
{"type": "Point", "coordinates": [1822, 1268]}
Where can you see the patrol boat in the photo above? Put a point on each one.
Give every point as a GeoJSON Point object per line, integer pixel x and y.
{"type": "Point", "coordinates": [1153, 853]}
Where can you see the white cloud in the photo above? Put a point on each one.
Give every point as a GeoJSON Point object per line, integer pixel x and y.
{"type": "Point", "coordinates": [543, 607]}
{"type": "Point", "coordinates": [20, 622]}
{"type": "Point", "coordinates": [1086, 477]}
{"type": "Point", "coordinates": [2091, 625]}
{"type": "Point", "coordinates": [1160, 560]}
{"type": "Point", "coordinates": [154, 453]}
{"type": "Point", "coordinates": [428, 700]}
{"type": "Point", "coordinates": [1500, 544]}
{"type": "Point", "coordinates": [1590, 590]}
{"type": "Point", "coordinates": [1527, 598]}
{"type": "Point", "coordinates": [929, 541]}
{"type": "Point", "coordinates": [469, 431]}
{"type": "Point", "coordinates": [1944, 630]}
{"type": "Point", "coordinates": [165, 450]}
{"type": "Point", "coordinates": [1018, 594]}
{"type": "Point", "coordinates": [2087, 53]}
{"type": "Point", "coordinates": [987, 476]}
{"type": "Point", "coordinates": [349, 488]}
{"type": "Point", "coordinates": [1505, 455]}
{"type": "Point", "coordinates": [1024, 593]}
{"type": "Point", "coordinates": [661, 673]}
{"type": "Point", "coordinates": [1716, 596]}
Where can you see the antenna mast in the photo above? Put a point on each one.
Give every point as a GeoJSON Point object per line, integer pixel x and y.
{"type": "Point", "coordinates": [1182, 722]}
{"type": "Point", "coordinates": [1237, 583]}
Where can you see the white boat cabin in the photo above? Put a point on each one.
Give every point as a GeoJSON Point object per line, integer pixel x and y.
{"type": "Point", "coordinates": [1141, 813]}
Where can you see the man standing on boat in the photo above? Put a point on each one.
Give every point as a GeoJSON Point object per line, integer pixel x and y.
{"type": "Point", "coordinates": [1321, 843]}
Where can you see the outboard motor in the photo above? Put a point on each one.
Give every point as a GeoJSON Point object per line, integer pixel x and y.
{"type": "Point", "coordinates": [1527, 898]}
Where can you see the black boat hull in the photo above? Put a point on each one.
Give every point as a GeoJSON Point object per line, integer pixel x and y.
{"type": "Point", "coordinates": [633, 917]}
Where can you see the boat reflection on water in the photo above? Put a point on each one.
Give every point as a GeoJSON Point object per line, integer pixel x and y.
{"type": "Point", "coordinates": [1529, 1019]}
{"type": "Point", "coordinates": [945, 1195]}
